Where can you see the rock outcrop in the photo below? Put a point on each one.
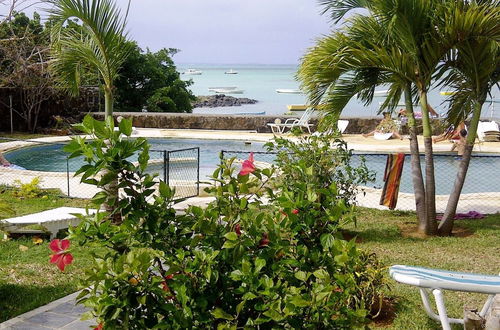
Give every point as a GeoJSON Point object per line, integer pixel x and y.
{"type": "Point", "coordinates": [221, 100]}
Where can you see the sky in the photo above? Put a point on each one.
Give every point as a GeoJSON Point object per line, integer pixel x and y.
{"type": "Point", "coordinates": [228, 31]}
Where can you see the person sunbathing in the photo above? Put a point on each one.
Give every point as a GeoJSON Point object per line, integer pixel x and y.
{"type": "Point", "coordinates": [387, 125]}
{"type": "Point", "coordinates": [451, 133]}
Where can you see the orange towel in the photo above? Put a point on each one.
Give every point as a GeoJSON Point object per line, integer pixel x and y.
{"type": "Point", "coordinates": [392, 178]}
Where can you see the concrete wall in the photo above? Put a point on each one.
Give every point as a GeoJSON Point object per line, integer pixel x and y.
{"type": "Point", "coordinates": [227, 122]}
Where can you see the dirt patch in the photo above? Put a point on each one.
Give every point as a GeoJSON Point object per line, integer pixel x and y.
{"type": "Point", "coordinates": [349, 235]}
{"type": "Point", "coordinates": [387, 313]}
{"type": "Point", "coordinates": [409, 230]}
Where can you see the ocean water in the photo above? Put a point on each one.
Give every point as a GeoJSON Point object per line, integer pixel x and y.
{"type": "Point", "coordinates": [260, 82]}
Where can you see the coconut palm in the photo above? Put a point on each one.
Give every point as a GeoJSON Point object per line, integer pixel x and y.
{"type": "Point", "coordinates": [99, 45]}
{"type": "Point", "coordinates": [472, 71]}
{"type": "Point", "coordinates": [408, 47]}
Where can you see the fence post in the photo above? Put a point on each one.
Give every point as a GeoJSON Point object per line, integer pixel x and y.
{"type": "Point", "coordinates": [198, 173]}
{"type": "Point", "coordinates": [165, 166]}
{"type": "Point", "coordinates": [167, 162]}
{"type": "Point", "coordinates": [67, 174]}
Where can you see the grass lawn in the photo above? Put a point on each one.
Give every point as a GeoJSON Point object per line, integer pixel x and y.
{"type": "Point", "coordinates": [383, 232]}
{"type": "Point", "coordinates": [27, 280]}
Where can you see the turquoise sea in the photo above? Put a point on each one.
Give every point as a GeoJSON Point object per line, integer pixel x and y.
{"type": "Point", "coordinates": [260, 82]}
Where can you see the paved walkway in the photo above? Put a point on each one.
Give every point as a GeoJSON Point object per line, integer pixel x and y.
{"type": "Point", "coordinates": [59, 314]}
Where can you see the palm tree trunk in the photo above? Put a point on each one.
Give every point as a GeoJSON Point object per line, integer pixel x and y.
{"type": "Point", "coordinates": [108, 102]}
{"type": "Point", "coordinates": [430, 183]}
{"type": "Point", "coordinates": [446, 226]}
{"type": "Point", "coordinates": [416, 169]}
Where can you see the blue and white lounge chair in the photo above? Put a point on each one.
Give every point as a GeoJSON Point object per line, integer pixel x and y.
{"type": "Point", "coordinates": [438, 280]}
{"type": "Point", "coordinates": [279, 128]}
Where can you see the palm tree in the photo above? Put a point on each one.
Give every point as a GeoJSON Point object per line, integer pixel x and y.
{"type": "Point", "coordinates": [408, 47]}
{"type": "Point", "coordinates": [100, 45]}
{"type": "Point", "coordinates": [472, 72]}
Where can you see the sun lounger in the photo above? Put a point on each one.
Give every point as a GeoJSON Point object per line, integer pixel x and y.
{"type": "Point", "coordinates": [52, 220]}
{"type": "Point", "coordinates": [382, 136]}
{"type": "Point", "coordinates": [438, 280]}
{"type": "Point", "coordinates": [279, 128]}
{"type": "Point", "coordinates": [341, 125]}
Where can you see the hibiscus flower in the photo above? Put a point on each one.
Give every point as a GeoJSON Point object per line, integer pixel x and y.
{"type": "Point", "coordinates": [60, 255]}
{"type": "Point", "coordinates": [248, 166]}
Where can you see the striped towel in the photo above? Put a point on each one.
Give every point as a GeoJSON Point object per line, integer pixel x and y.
{"type": "Point", "coordinates": [392, 178]}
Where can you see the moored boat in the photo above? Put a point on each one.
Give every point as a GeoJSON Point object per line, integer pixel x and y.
{"type": "Point", "coordinates": [213, 89]}
{"type": "Point", "coordinates": [231, 71]}
{"type": "Point", "coordinates": [228, 91]}
{"type": "Point", "coordinates": [288, 91]}
{"type": "Point", "coordinates": [193, 72]}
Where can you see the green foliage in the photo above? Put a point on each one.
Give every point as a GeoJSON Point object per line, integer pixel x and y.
{"type": "Point", "coordinates": [151, 79]}
{"type": "Point", "coordinates": [239, 262]}
{"type": "Point", "coordinates": [28, 190]}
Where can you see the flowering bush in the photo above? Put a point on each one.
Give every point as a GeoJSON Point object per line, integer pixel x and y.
{"type": "Point", "coordinates": [265, 253]}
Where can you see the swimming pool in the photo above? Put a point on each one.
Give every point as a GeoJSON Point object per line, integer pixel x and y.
{"type": "Point", "coordinates": [481, 176]}
{"type": "Point", "coordinates": [51, 157]}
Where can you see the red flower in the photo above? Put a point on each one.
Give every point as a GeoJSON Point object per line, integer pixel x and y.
{"type": "Point", "coordinates": [295, 211]}
{"type": "Point", "coordinates": [99, 327]}
{"type": "Point", "coordinates": [237, 229]}
{"type": "Point", "coordinates": [248, 166]}
{"type": "Point", "coordinates": [60, 256]}
{"type": "Point", "coordinates": [164, 286]}
{"type": "Point", "coordinates": [264, 242]}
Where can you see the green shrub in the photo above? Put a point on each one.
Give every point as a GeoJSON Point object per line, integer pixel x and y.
{"type": "Point", "coordinates": [28, 190]}
{"type": "Point", "coordinates": [266, 253]}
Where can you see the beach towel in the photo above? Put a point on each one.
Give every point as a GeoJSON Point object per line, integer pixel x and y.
{"type": "Point", "coordinates": [392, 179]}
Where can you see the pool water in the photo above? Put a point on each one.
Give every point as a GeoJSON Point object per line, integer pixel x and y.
{"type": "Point", "coordinates": [51, 157]}
{"type": "Point", "coordinates": [481, 176]}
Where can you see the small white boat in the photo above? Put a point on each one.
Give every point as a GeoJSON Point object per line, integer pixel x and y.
{"type": "Point", "coordinates": [231, 71]}
{"type": "Point", "coordinates": [288, 91]}
{"type": "Point", "coordinates": [383, 93]}
{"type": "Point", "coordinates": [228, 91]}
{"type": "Point", "coordinates": [193, 72]}
{"type": "Point", "coordinates": [213, 89]}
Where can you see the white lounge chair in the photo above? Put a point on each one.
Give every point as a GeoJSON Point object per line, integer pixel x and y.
{"type": "Point", "coordinates": [486, 126]}
{"type": "Point", "coordinates": [279, 128]}
{"type": "Point", "coordinates": [52, 220]}
{"type": "Point", "coordinates": [438, 280]}
{"type": "Point", "coordinates": [341, 125]}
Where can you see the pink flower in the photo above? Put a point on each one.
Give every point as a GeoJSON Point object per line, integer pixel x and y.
{"type": "Point", "coordinates": [248, 166]}
{"type": "Point", "coordinates": [60, 255]}
{"type": "Point", "coordinates": [295, 211]}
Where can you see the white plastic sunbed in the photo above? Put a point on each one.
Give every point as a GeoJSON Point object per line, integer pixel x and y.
{"type": "Point", "coordinates": [52, 220]}
{"type": "Point", "coordinates": [437, 280]}
{"type": "Point", "coordinates": [279, 128]}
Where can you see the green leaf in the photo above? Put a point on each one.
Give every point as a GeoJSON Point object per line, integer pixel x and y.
{"type": "Point", "coordinates": [302, 276]}
{"type": "Point", "coordinates": [299, 301]}
{"type": "Point", "coordinates": [125, 127]}
{"type": "Point", "coordinates": [229, 244]}
{"type": "Point", "coordinates": [327, 241]}
{"type": "Point", "coordinates": [321, 274]}
{"type": "Point", "coordinates": [165, 190]}
{"type": "Point", "coordinates": [218, 313]}
{"type": "Point", "coordinates": [232, 236]}
{"type": "Point", "coordinates": [259, 264]}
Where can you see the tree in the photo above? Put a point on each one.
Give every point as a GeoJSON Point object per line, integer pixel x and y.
{"type": "Point", "coordinates": [411, 39]}
{"type": "Point", "coordinates": [147, 77]}
{"type": "Point", "coordinates": [100, 45]}
{"type": "Point", "coordinates": [24, 58]}
{"type": "Point", "coordinates": [472, 72]}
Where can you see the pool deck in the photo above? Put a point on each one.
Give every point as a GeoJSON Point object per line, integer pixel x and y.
{"type": "Point", "coordinates": [354, 141]}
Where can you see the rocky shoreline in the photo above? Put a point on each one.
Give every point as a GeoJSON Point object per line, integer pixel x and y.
{"type": "Point", "coordinates": [221, 100]}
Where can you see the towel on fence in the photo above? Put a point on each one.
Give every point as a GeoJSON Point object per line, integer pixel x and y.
{"type": "Point", "coordinates": [392, 178]}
